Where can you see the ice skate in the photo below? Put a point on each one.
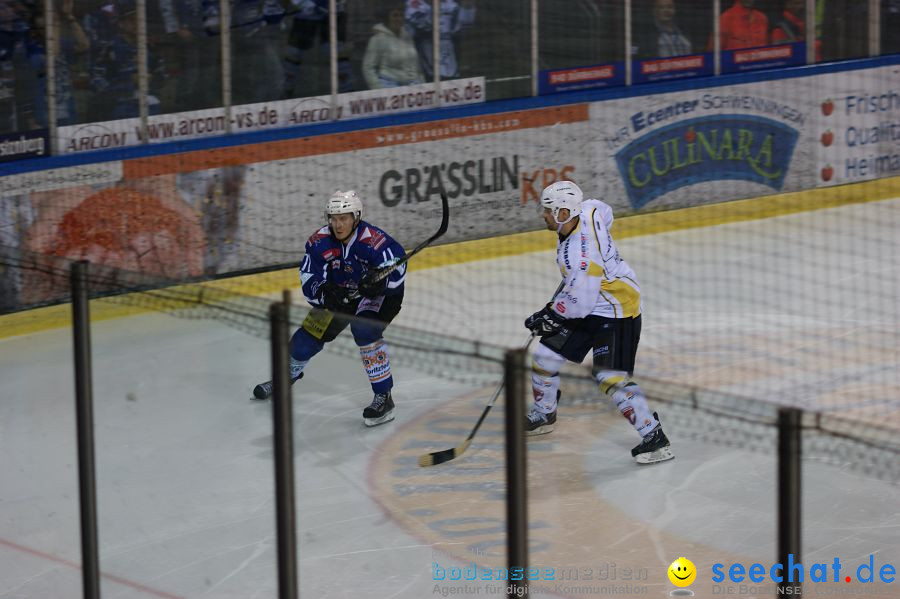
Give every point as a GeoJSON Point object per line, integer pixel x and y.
{"type": "Point", "coordinates": [381, 410]}
{"type": "Point", "coordinates": [264, 390]}
{"type": "Point", "coordinates": [654, 447]}
{"type": "Point", "coordinates": [539, 423]}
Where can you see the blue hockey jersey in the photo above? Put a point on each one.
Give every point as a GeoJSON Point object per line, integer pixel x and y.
{"type": "Point", "coordinates": [327, 259]}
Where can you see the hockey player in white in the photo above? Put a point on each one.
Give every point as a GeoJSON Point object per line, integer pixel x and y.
{"type": "Point", "coordinates": [597, 307]}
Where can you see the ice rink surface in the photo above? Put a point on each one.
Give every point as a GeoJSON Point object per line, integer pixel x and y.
{"type": "Point", "coordinates": [796, 310]}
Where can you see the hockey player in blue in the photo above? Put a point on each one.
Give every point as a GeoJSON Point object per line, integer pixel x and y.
{"type": "Point", "coordinates": [338, 277]}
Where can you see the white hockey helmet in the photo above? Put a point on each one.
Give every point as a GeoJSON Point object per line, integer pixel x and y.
{"type": "Point", "coordinates": [559, 195]}
{"type": "Point", "coordinates": [344, 202]}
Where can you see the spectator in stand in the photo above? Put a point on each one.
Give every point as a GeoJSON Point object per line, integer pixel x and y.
{"type": "Point", "coordinates": [191, 56]}
{"type": "Point", "coordinates": [890, 25]}
{"type": "Point", "coordinates": [742, 26]}
{"type": "Point", "coordinates": [14, 16]}
{"type": "Point", "coordinates": [70, 42]}
{"type": "Point", "coordinates": [791, 26]}
{"type": "Point", "coordinates": [309, 25]}
{"type": "Point", "coordinates": [112, 31]}
{"type": "Point", "coordinates": [662, 38]}
{"type": "Point", "coordinates": [391, 59]}
{"type": "Point", "coordinates": [256, 70]}
{"type": "Point", "coordinates": [455, 16]}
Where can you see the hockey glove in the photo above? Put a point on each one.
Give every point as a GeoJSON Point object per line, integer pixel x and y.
{"type": "Point", "coordinates": [544, 322]}
{"type": "Point", "coordinates": [334, 297]}
{"type": "Point", "coordinates": [370, 287]}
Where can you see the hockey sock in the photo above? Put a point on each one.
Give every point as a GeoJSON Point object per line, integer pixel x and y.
{"type": "Point", "coordinates": [545, 364]}
{"type": "Point", "coordinates": [378, 365]}
{"type": "Point", "coordinates": [297, 367]}
{"type": "Point", "coordinates": [632, 404]}
{"type": "Point", "coordinates": [545, 390]}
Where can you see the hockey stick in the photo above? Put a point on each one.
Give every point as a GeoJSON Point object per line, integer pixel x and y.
{"type": "Point", "coordinates": [445, 221]}
{"type": "Point", "coordinates": [445, 455]}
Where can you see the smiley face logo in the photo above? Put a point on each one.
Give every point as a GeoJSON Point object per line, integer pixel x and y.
{"type": "Point", "coordinates": [682, 572]}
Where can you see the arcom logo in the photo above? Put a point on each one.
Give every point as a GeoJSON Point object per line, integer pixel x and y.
{"type": "Point", "coordinates": [725, 147]}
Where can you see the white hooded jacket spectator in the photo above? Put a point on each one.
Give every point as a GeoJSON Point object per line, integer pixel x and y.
{"type": "Point", "coordinates": [391, 59]}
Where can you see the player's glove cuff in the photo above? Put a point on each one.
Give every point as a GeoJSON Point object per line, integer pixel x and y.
{"type": "Point", "coordinates": [370, 286]}
{"type": "Point", "coordinates": [544, 322]}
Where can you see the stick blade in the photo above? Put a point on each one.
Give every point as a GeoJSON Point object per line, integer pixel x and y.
{"type": "Point", "coordinates": [442, 456]}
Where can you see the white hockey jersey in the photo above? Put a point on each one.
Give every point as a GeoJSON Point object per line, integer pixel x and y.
{"type": "Point", "coordinates": [595, 278]}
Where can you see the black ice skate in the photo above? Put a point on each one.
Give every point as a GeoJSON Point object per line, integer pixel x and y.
{"type": "Point", "coordinates": [654, 447]}
{"type": "Point", "coordinates": [381, 410]}
{"type": "Point", "coordinates": [264, 390]}
{"type": "Point", "coordinates": [538, 423]}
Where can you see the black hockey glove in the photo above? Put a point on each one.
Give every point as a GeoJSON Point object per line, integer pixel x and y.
{"type": "Point", "coordinates": [335, 297]}
{"type": "Point", "coordinates": [370, 287]}
{"type": "Point", "coordinates": [544, 322]}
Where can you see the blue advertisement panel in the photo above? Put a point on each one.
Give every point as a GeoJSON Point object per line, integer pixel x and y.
{"type": "Point", "coordinates": [764, 57]}
{"type": "Point", "coordinates": [587, 77]}
{"type": "Point", "coordinates": [676, 67]}
{"type": "Point", "coordinates": [711, 148]}
{"type": "Point", "coordinates": [30, 144]}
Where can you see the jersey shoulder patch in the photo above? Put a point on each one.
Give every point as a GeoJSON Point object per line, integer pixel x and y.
{"type": "Point", "coordinates": [373, 237]}
{"type": "Point", "coordinates": [319, 235]}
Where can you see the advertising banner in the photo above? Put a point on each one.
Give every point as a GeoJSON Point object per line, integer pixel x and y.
{"type": "Point", "coordinates": [703, 146]}
{"type": "Point", "coordinates": [676, 67]}
{"type": "Point", "coordinates": [30, 144]}
{"type": "Point", "coordinates": [858, 137]}
{"type": "Point", "coordinates": [587, 77]}
{"type": "Point", "coordinates": [765, 57]}
{"type": "Point", "coordinates": [269, 115]}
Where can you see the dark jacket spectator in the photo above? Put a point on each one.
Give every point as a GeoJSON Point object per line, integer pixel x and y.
{"type": "Point", "coordinates": [791, 27]}
{"type": "Point", "coordinates": [662, 37]}
{"type": "Point", "coordinates": [70, 41]}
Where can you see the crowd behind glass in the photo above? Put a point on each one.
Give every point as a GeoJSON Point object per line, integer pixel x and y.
{"type": "Point", "coordinates": [280, 49]}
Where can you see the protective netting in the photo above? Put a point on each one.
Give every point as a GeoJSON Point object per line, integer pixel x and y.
{"type": "Point", "coordinates": [860, 434]}
{"type": "Point", "coordinates": [866, 443]}
{"type": "Point", "coordinates": [465, 360]}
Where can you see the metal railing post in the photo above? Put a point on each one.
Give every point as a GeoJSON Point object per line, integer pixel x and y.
{"type": "Point", "coordinates": [789, 473]}
{"type": "Point", "coordinates": [516, 474]}
{"type": "Point", "coordinates": [283, 440]}
{"type": "Point", "coordinates": [84, 420]}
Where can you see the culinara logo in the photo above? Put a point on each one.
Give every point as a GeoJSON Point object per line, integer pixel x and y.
{"type": "Point", "coordinates": [726, 147]}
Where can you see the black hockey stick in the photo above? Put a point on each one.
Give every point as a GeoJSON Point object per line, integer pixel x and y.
{"type": "Point", "coordinates": [385, 271]}
{"type": "Point", "coordinates": [445, 455]}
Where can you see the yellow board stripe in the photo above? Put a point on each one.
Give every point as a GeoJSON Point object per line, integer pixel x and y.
{"type": "Point", "coordinates": [51, 317]}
